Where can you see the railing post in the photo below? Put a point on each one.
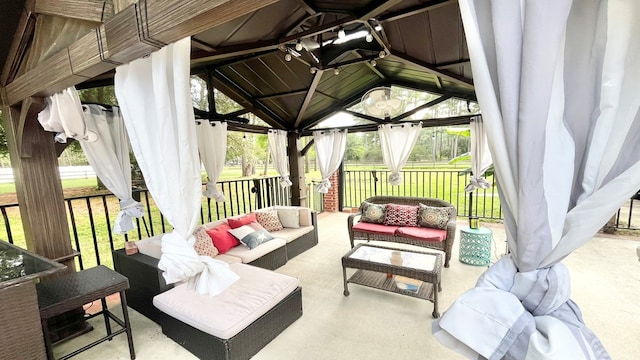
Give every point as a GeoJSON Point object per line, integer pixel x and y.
{"type": "Point", "coordinates": [258, 194]}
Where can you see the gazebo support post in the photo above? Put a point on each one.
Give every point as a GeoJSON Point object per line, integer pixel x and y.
{"type": "Point", "coordinates": [296, 171]}
{"type": "Point", "coordinates": [37, 179]}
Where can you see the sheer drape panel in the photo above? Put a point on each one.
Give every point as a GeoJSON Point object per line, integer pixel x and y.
{"type": "Point", "coordinates": [330, 146]}
{"type": "Point", "coordinates": [558, 84]}
{"type": "Point", "coordinates": [212, 145]}
{"type": "Point", "coordinates": [480, 156]}
{"type": "Point", "coordinates": [109, 157]}
{"type": "Point", "coordinates": [154, 93]}
{"type": "Point", "coordinates": [397, 142]}
{"type": "Point", "coordinates": [278, 147]}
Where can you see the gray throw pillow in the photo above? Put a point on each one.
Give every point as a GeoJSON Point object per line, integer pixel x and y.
{"type": "Point", "coordinates": [373, 213]}
{"type": "Point", "coordinates": [290, 218]}
{"type": "Point", "coordinates": [435, 217]}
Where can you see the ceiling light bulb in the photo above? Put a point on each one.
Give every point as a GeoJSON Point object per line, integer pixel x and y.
{"type": "Point", "coordinates": [373, 63]}
{"type": "Point", "coordinates": [336, 71]}
{"type": "Point", "coordinates": [382, 54]}
{"type": "Point", "coordinates": [341, 33]}
{"type": "Point", "coordinates": [287, 57]}
{"type": "Point", "coordinates": [313, 70]}
{"type": "Point", "coordinates": [299, 46]}
{"type": "Point", "coordinates": [369, 37]}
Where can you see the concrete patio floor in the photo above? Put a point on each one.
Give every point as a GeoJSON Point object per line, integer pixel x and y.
{"type": "Point", "coordinates": [372, 324]}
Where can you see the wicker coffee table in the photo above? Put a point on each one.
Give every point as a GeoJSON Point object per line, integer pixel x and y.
{"type": "Point", "coordinates": [387, 268]}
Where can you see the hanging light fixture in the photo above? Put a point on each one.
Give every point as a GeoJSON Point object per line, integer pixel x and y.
{"type": "Point", "coordinates": [287, 57]}
{"type": "Point", "coordinates": [382, 54]}
{"type": "Point", "coordinates": [299, 46]}
{"type": "Point", "coordinates": [313, 70]}
{"type": "Point", "coordinates": [341, 33]}
{"type": "Point", "coordinates": [373, 62]}
{"type": "Point", "coordinates": [336, 71]}
{"type": "Point", "coordinates": [369, 37]}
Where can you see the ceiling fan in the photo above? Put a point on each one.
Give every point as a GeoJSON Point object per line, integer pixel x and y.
{"type": "Point", "coordinates": [378, 102]}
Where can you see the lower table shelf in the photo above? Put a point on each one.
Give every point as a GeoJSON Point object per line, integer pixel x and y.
{"type": "Point", "coordinates": [380, 281]}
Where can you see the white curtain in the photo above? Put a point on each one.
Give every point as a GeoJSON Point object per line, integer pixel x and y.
{"type": "Point", "coordinates": [212, 145]}
{"type": "Point", "coordinates": [330, 145]}
{"type": "Point", "coordinates": [62, 114]}
{"type": "Point", "coordinates": [154, 94]}
{"type": "Point", "coordinates": [558, 84]}
{"type": "Point", "coordinates": [480, 156]}
{"type": "Point", "coordinates": [109, 157]}
{"type": "Point", "coordinates": [278, 147]}
{"type": "Point", "coordinates": [397, 141]}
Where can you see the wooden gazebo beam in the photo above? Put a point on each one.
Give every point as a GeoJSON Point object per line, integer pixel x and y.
{"type": "Point", "coordinates": [132, 33]}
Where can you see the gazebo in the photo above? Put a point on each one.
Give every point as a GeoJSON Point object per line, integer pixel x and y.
{"type": "Point", "coordinates": [292, 63]}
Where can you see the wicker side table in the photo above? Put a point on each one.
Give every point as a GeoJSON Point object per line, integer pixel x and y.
{"type": "Point", "coordinates": [73, 290]}
{"type": "Point", "coordinates": [475, 246]}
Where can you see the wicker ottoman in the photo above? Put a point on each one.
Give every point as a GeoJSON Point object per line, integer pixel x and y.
{"type": "Point", "coordinates": [237, 323]}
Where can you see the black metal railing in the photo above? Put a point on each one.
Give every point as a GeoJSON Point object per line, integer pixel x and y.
{"type": "Point", "coordinates": [441, 184]}
{"type": "Point", "coordinates": [90, 217]}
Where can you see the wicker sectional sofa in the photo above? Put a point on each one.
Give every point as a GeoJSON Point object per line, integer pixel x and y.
{"type": "Point", "coordinates": [147, 283]}
{"type": "Point", "coordinates": [437, 237]}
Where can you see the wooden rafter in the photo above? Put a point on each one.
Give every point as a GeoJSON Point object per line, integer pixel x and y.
{"type": "Point", "coordinates": [88, 10]}
{"type": "Point", "coordinates": [21, 39]}
{"type": "Point", "coordinates": [282, 94]}
{"type": "Point", "coordinates": [377, 8]}
{"type": "Point", "coordinates": [426, 123]}
{"type": "Point", "coordinates": [134, 32]}
{"type": "Point", "coordinates": [308, 97]}
{"type": "Point", "coordinates": [432, 69]}
{"type": "Point", "coordinates": [452, 64]}
{"type": "Point", "coordinates": [364, 116]}
{"type": "Point", "coordinates": [414, 10]}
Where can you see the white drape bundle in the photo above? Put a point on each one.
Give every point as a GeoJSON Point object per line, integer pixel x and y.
{"type": "Point", "coordinates": [62, 114]}
{"type": "Point", "coordinates": [330, 146]}
{"type": "Point", "coordinates": [212, 145]}
{"type": "Point", "coordinates": [558, 83]}
{"type": "Point", "coordinates": [480, 156]}
{"type": "Point", "coordinates": [278, 147]}
{"type": "Point", "coordinates": [109, 157]}
{"type": "Point", "coordinates": [397, 141]}
{"type": "Point", "coordinates": [154, 94]}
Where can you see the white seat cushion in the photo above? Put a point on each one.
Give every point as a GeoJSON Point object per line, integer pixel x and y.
{"type": "Point", "coordinates": [290, 234]}
{"type": "Point", "coordinates": [248, 255]}
{"type": "Point", "coordinates": [228, 313]}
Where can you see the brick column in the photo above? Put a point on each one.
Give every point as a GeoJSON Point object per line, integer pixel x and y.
{"type": "Point", "coordinates": [331, 202]}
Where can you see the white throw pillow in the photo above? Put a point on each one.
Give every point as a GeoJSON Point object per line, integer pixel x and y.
{"type": "Point", "coordinates": [290, 218]}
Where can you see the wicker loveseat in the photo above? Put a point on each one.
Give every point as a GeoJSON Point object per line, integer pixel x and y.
{"type": "Point", "coordinates": [439, 239]}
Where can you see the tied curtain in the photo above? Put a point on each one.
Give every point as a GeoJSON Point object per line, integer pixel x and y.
{"type": "Point", "coordinates": [558, 83]}
{"type": "Point", "coordinates": [154, 94]}
{"type": "Point", "coordinates": [212, 145]}
{"type": "Point", "coordinates": [480, 156]}
{"type": "Point", "coordinates": [62, 114]}
{"type": "Point", "coordinates": [278, 148]}
{"type": "Point", "coordinates": [109, 157]}
{"type": "Point", "coordinates": [397, 142]}
{"type": "Point", "coordinates": [330, 146]}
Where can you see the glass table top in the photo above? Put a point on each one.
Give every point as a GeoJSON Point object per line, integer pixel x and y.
{"type": "Point", "coordinates": [407, 259]}
{"type": "Point", "coordinates": [18, 265]}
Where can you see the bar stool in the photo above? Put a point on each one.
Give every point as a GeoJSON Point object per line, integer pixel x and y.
{"type": "Point", "coordinates": [72, 291]}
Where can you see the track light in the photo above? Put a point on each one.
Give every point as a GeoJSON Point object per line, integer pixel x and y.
{"type": "Point", "coordinates": [299, 46]}
{"type": "Point", "coordinates": [313, 70]}
{"type": "Point", "coordinates": [369, 37]}
{"type": "Point", "coordinates": [287, 57]}
{"type": "Point", "coordinates": [341, 33]}
{"type": "Point", "coordinates": [336, 71]}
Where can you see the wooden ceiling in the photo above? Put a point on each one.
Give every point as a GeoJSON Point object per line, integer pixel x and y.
{"type": "Point", "coordinates": [416, 44]}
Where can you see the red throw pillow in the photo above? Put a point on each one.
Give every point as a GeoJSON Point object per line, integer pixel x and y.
{"type": "Point", "coordinates": [401, 215]}
{"type": "Point", "coordinates": [222, 240]}
{"type": "Point", "coordinates": [242, 220]}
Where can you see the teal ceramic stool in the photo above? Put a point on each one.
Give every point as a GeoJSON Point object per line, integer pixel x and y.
{"type": "Point", "coordinates": [475, 246]}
